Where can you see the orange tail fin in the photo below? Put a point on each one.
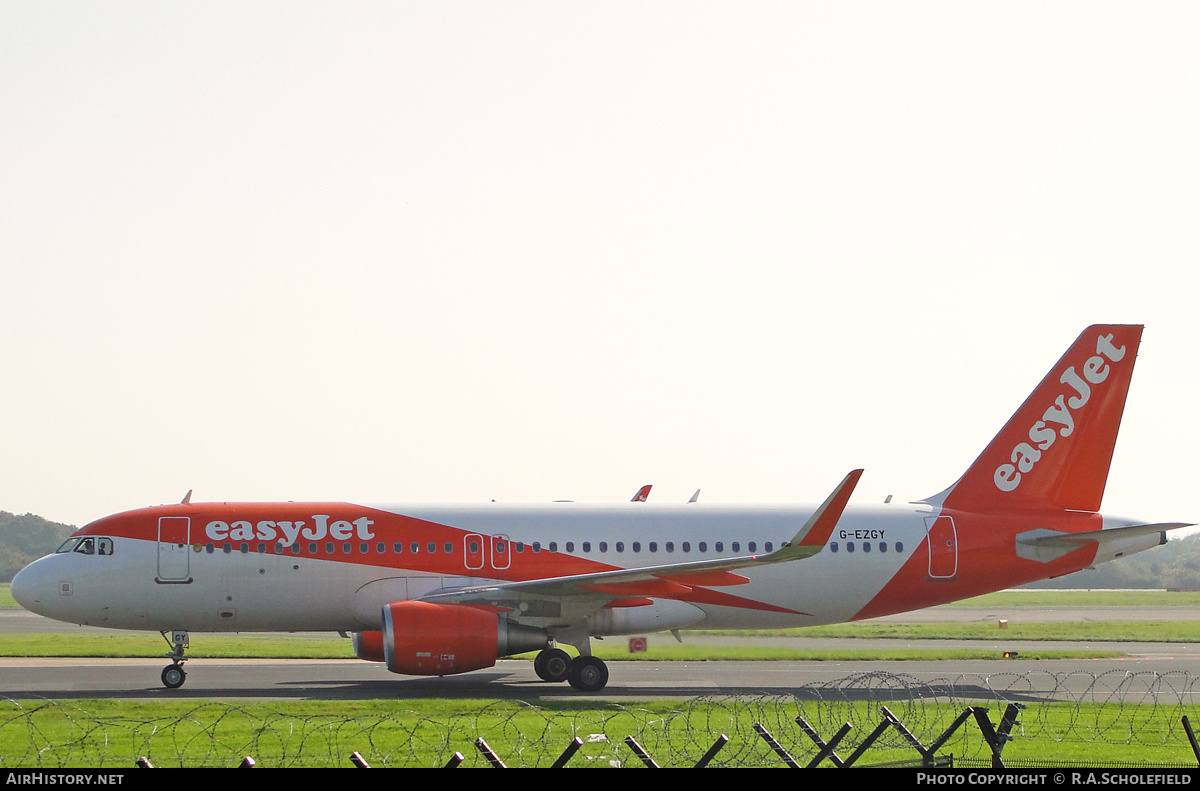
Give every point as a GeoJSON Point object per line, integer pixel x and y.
{"type": "Point", "coordinates": [1054, 453]}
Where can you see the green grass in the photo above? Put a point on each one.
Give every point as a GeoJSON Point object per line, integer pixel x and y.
{"type": "Point", "coordinates": [664, 652]}
{"type": "Point", "coordinates": [1083, 598]}
{"type": "Point", "coordinates": [1091, 631]}
{"type": "Point", "coordinates": [425, 733]}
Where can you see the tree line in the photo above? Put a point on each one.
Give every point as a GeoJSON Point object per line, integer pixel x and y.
{"type": "Point", "coordinates": [24, 539]}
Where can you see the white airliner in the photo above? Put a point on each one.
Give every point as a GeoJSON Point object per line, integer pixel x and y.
{"type": "Point", "coordinates": [437, 590]}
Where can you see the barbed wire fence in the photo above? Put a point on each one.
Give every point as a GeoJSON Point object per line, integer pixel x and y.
{"type": "Point", "coordinates": [1098, 716]}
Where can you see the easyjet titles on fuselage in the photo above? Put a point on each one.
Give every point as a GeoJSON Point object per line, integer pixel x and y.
{"type": "Point", "coordinates": [290, 531]}
{"type": "Point", "coordinates": [1024, 455]}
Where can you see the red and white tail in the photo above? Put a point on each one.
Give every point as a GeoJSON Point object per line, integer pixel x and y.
{"type": "Point", "coordinates": [1054, 453]}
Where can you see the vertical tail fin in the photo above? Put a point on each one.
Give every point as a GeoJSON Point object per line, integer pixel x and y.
{"type": "Point", "coordinates": [1054, 453]}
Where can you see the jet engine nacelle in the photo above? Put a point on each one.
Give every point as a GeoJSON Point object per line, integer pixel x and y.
{"type": "Point", "coordinates": [660, 616]}
{"type": "Point", "coordinates": [368, 646]}
{"type": "Point", "coordinates": [425, 639]}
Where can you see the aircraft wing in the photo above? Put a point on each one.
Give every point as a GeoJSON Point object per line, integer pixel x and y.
{"type": "Point", "coordinates": [588, 592]}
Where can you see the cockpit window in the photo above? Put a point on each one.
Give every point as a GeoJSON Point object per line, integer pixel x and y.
{"type": "Point", "coordinates": [86, 545]}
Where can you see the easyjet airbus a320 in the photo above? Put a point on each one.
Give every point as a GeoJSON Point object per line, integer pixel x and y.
{"type": "Point", "coordinates": [437, 590]}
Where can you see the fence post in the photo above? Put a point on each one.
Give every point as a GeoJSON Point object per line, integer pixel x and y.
{"type": "Point", "coordinates": [926, 755]}
{"type": "Point", "coordinates": [862, 748]}
{"type": "Point", "coordinates": [827, 750]}
{"type": "Point", "coordinates": [492, 758]}
{"type": "Point", "coordinates": [1187, 727]}
{"type": "Point", "coordinates": [997, 739]}
{"type": "Point", "coordinates": [576, 743]}
{"type": "Point", "coordinates": [776, 746]}
{"type": "Point", "coordinates": [637, 749]}
{"type": "Point", "coordinates": [712, 751]}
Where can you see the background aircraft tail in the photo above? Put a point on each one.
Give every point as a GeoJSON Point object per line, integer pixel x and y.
{"type": "Point", "coordinates": [1054, 453]}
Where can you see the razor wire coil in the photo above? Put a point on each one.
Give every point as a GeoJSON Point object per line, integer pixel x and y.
{"type": "Point", "coordinates": [1107, 711]}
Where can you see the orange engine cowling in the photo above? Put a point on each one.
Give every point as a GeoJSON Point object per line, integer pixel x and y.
{"type": "Point", "coordinates": [425, 639]}
{"type": "Point", "coordinates": [368, 646]}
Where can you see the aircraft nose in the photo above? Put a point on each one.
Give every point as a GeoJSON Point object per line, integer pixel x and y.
{"type": "Point", "coordinates": [31, 587]}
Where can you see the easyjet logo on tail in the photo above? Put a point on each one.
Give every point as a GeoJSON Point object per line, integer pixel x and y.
{"type": "Point", "coordinates": [1059, 420]}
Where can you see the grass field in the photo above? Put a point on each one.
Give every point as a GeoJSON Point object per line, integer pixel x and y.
{"type": "Point", "coordinates": [426, 733]}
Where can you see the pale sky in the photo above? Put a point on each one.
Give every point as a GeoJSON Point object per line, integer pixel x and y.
{"type": "Point", "coordinates": [459, 251]}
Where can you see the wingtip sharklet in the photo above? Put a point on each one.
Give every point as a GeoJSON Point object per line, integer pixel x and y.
{"type": "Point", "coordinates": [816, 531]}
{"type": "Point", "coordinates": [819, 527]}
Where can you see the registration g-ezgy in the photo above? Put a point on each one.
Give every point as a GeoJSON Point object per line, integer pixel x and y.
{"type": "Point", "coordinates": [861, 535]}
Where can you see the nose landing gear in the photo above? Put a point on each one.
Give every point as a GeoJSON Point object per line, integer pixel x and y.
{"type": "Point", "coordinates": [173, 675]}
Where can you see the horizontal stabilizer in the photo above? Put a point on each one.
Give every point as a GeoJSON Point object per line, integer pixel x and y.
{"type": "Point", "coordinates": [1045, 545]}
{"type": "Point", "coordinates": [1132, 531]}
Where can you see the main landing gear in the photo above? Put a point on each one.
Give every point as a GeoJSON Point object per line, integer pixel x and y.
{"type": "Point", "coordinates": [173, 675]}
{"type": "Point", "coordinates": [584, 673]}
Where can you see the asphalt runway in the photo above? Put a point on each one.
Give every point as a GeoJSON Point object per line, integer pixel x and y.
{"type": "Point", "coordinates": [629, 681]}
{"type": "Point", "coordinates": [337, 679]}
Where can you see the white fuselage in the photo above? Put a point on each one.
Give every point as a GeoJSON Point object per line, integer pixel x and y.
{"type": "Point", "coordinates": [323, 585]}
